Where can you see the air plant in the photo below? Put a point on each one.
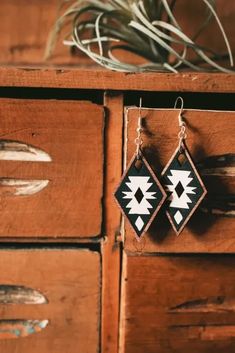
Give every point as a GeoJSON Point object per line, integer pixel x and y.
{"type": "Point", "coordinates": [148, 28]}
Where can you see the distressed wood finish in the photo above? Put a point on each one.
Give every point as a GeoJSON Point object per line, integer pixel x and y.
{"type": "Point", "coordinates": [12, 329]}
{"type": "Point", "coordinates": [17, 187]}
{"type": "Point", "coordinates": [179, 304]}
{"type": "Point", "coordinates": [12, 294]}
{"type": "Point", "coordinates": [108, 80]}
{"type": "Point", "coordinates": [24, 41]}
{"type": "Point", "coordinates": [111, 247]}
{"type": "Point", "coordinates": [210, 137]}
{"type": "Point", "coordinates": [71, 281]}
{"type": "Point", "coordinates": [57, 197]}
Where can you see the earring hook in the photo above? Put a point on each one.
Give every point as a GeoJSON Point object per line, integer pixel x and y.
{"type": "Point", "coordinates": [138, 140]}
{"type": "Point", "coordinates": [140, 116]}
{"type": "Point", "coordinates": [181, 122]}
{"type": "Point", "coordinates": [182, 133]}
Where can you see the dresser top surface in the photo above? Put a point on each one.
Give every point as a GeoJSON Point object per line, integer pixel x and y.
{"type": "Point", "coordinates": [87, 78]}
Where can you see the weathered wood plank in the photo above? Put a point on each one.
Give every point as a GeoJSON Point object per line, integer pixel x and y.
{"type": "Point", "coordinates": [210, 138]}
{"type": "Point", "coordinates": [179, 304]}
{"type": "Point", "coordinates": [70, 278]}
{"type": "Point", "coordinates": [108, 80]}
{"type": "Point", "coordinates": [111, 249]}
{"type": "Point", "coordinates": [51, 193]}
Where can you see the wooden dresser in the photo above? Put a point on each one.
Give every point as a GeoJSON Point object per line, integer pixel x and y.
{"type": "Point", "coordinates": [71, 277]}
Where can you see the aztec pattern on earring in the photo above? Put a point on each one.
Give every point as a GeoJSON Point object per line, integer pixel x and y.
{"type": "Point", "coordinates": [140, 194]}
{"type": "Point", "coordinates": [182, 182]}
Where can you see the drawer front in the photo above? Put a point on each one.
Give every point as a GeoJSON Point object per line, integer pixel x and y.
{"type": "Point", "coordinates": [179, 304]}
{"type": "Point", "coordinates": [51, 158]}
{"type": "Point", "coordinates": [45, 298]}
{"type": "Point", "coordinates": [210, 139]}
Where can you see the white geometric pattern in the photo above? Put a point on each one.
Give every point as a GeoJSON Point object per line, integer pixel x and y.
{"type": "Point", "coordinates": [140, 195]}
{"type": "Point", "coordinates": [178, 217]}
{"type": "Point", "coordinates": [136, 207]}
{"type": "Point", "coordinates": [140, 205]}
{"type": "Point", "coordinates": [186, 189]}
{"type": "Point", "coordinates": [139, 223]}
{"type": "Point", "coordinates": [180, 201]}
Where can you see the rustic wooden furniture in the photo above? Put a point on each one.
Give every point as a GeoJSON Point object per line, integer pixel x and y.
{"type": "Point", "coordinates": [71, 278]}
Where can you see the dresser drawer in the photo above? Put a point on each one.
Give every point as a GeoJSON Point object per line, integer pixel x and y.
{"type": "Point", "coordinates": [179, 304]}
{"type": "Point", "coordinates": [45, 298]}
{"type": "Point", "coordinates": [51, 158]}
{"type": "Point", "coordinates": [210, 139]}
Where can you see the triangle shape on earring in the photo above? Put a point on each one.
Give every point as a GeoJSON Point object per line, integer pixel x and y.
{"type": "Point", "coordinates": [140, 194]}
{"type": "Point", "coordinates": [184, 187]}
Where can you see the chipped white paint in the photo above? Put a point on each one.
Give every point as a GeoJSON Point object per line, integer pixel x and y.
{"type": "Point", "coordinates": [22, 187]}
{"type": "Point", "coordinates": [15, 329]}
{"type": "Point", "coordinates": [11, 294]}
{"type": "Point", "coordinates": [18, 151]}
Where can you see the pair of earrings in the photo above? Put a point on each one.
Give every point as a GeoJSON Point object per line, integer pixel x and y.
{"type": "Point", "coordinates": [141, 194]}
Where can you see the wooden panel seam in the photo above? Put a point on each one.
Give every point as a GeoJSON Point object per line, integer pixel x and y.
{"type": "Point", "coordinates": [111, 250]}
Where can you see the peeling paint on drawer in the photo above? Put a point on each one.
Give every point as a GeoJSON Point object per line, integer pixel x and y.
{"type": "Point", "coordinates": [11, 294]}
{"type": "Point", "coordinates": [12, 329]}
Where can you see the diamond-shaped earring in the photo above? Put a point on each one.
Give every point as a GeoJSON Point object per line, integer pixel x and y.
{"type": "Point", "coordinates": [182, 182]}
{"type": "Point", "coordinates": [140, 194]}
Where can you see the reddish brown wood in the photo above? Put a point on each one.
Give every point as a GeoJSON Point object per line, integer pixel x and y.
{"type": "Point", "coordinates": [25, 41]}
{"type": "Point", "coordinates": [104, 79]}
{"type": "Point", "coordinates": [71, 281]}
{"type": "Point", "coordinates": [71, 133]}
{"type": "Point", "coordinates": [191, 15]}
{"type": "Point", "coordinates": [179, 304]}
{"type": "Point", "coordinates": [210, 133]}
{"type": "Point", "coordinates": [111, 254]}
{"type": "Point", "coordinates": [25, 27]}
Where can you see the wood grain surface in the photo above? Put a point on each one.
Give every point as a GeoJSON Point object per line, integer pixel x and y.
{"type": "Point", "coordinates": [179, 304]}
{"type": "Point", "coordinates": [209, 134]}
{"type": "Point", "coordinates": [25, 27]}
{"type": "Point", "coordinates": [71, 133]}
{"type": "Point", "coordinates": [70, 279]}
{"type": "Point", "coordinates": [57, 77]}
{"type": "Point", "coordinates": [111, 246]}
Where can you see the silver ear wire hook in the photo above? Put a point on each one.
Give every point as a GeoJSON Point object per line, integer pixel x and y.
{"type": "Point", "coordinates": [181, 122]}
{"type": "Point", "coordinates": [182, 133]}
{"type": "Point", "coordinates": [138, 140]}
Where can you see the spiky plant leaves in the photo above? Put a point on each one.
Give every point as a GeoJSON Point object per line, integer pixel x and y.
{"type": "Point", "coordinates": [148, 28]}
